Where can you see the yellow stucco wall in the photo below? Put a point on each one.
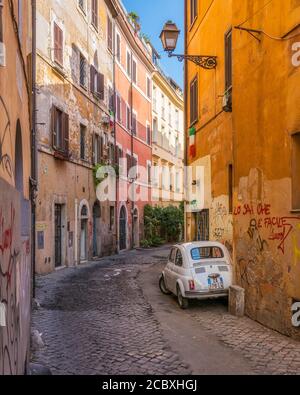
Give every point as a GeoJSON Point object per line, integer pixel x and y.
{"type": "Point", "coordinates": [265, 114]}
{"type": "Point", "coordinates": [256, 138]}
{"type": "Point", "coordinates": [214, 126]}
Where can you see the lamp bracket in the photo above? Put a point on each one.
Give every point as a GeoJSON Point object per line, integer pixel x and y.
{"type": "Point", "coordinates": [204, 61]}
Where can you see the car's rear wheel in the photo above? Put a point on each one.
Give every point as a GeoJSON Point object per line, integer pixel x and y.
{"type": "Point", "coordinates": [162, 286]}
{"type": "Point", "coordinates": [183, 302]}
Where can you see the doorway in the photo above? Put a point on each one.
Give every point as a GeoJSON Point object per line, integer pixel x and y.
{"type": "Point", "coordinates": [136, 236]}
{"type": "Point", "coordinates": [202, 225]}
{"type": "Point", "coordinates": [84, 234]}
{"type": "Point", "coordinates": [96, 230]}
{"type": "Point", "coordinates": [58, 235]}
{"type": "Point", "coordinates": [123, 226]}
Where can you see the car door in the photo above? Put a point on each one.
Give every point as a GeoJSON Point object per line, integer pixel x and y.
{"type": "Point", "coordinates": [180, 270]}
{"type": "Point", "coordinates": [169, 269]}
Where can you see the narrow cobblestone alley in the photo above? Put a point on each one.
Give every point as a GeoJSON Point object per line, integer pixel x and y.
{"type": "Point", "coordinates": [109, 317]}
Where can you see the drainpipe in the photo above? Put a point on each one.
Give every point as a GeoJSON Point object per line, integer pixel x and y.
{"type": "Point", "coordinates": [132, 152]}
{"type": "Point", "coordinates": [33, 179]}
{"type": "Point", "coordinates": [185, 119]}
{"type": "Point", "coordinates": [115, 141]}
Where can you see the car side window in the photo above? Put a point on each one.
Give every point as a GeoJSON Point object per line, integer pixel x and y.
{"type": "Point", "coordinates": [172, 255]}
{"type": "Point", "coordinates": [179, 259]}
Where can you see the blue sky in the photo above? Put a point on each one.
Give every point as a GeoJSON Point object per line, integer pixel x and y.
{"type": "Point", "coordinates": [154, 14]}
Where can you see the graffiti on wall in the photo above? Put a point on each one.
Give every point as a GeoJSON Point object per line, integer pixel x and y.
{"type": "Point", "coordinates": [14, 284]}
{"type": "Point", "coordinates": [278, 229]}
{"type": "Point", "coordinates": [221, 224]}
{"type": "Point", "coordinates": [5, 140]}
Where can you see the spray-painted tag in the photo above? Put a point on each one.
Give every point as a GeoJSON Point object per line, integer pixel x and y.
{"type": "Point", "coordinates": [2, 315]}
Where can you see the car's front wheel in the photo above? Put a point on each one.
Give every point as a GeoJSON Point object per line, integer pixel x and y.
{"type": "Point", "coordinates": [162, 286]}
{"type": "Point", "coordinates": [183, 302]}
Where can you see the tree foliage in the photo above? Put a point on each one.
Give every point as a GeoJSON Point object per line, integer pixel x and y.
{"type": "Point", "coordinates": [163, 224]}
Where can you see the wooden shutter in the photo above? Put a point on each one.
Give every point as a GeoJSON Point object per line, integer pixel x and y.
{"type": "Point", "coordinates": [66, 132]}
{"type": "Point", "coordinates": [128, 63]}
{"type": "Point", "coordinates": [53, 126]}
{"type": "Point", "coordinates": [194, 101]}
{"type": "Point", "coordinates": [100, 85]}
{"type": "Point", "coordinates": [94, 140]}
{"type": "Point", "coordinates": [95, 13]}
{"type": "Point", "coordinates": [134, 124]}
{"type": "Point", "coordinates": [109, 34]}
{"type": "Point", "coordinates": [118, 47]}
{"type": "Point", "coordinates": [228, 60]}
{"type": "Point", "coordinates": [101, 148]}
{"type": "Point", "coordinates": [134, 71]}
{"type": "Point", "coordinates": [118, 108]}
{"type": "Point", "coordinates": [58, 44]}
{"type": "Point", "coordinates": [92, 78]}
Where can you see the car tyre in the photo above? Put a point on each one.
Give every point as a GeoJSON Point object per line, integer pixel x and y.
{"type": "Point", "coordinates": [183, 302]}
{"type": "Point", "coordinates": [162, 286]}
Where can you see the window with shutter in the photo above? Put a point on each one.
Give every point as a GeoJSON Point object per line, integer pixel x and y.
{"type": "Point", "coordinates": [134, 124]}
{"type": "Point", "coordinates": [82, 71]}
{"type": "Point", "coordinates": [118, 49]}
{"type": "Point", "coordinates": [95, 14]}
{"type": "Point", "coordinates": [194, 10]}
{"type": "Point", "coordinates": [128, 119]}
{"type": "Point", "coordinates": [228, 60]}
{"type": "Point", "coordinates": [92, 78]}
{"type": "Point", "coordinates": [148, 134]}
{"type": "Point", "coordinates": [134, 71]}
{"type": "Point", "coordinates": [148, 87]}
{"type": "Point", "coordinates": [109, 34]}
{"type": "Point", "coordinates": [100, 86]}
{"type": "Point", "coordinates": [60, 130]}
{"type": "Point", "coordinates": [58, 44]}
{"type": "Point", "coordinates": [82, 141]}
{"type": "Point", "coordinates": [111, 106]}
{"type": "Point", "coordinates": [194, 101]}
{"type": "Point", "coordinates": [128, 62]}
{"type": "Point", "coordinates": [118, 108]}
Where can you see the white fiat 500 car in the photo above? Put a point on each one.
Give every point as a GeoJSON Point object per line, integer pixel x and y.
{"type": "Point", "coordinates": [199, 270]}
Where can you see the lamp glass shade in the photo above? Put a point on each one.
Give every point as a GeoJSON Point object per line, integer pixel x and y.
{"type": "Point", "coordinates": [169, 36]}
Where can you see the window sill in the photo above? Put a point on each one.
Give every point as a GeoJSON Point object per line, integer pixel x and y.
{"type": "Point", "coordinates": [64, 156]}
{"type": "Point", "coordinates": [295, 211]}
{"type": "Point", "coordinates": [59, 69]}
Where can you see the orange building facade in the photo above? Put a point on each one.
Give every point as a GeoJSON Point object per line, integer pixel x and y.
{"type": "Point", "coordinates": [15, 196]}
{"type": "Point", "coordinates": [245, 115]}
{"type": "Point", "coordinates": [133, 117]}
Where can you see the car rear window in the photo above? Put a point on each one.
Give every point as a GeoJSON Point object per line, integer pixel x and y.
{"type": "Point", "coordinates": [206, 253]}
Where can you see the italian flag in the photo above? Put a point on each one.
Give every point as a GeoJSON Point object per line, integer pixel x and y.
{"type": "Point", "coordinates": [192, 135]}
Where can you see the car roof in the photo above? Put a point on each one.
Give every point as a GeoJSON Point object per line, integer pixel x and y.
{"type": "Point", "coordinates": [201, 244]}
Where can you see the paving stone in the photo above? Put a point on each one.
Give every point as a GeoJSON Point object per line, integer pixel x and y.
{"type": "Point", "coordinates": [94, 326]}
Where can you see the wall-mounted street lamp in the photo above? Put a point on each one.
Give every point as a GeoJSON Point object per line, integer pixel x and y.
{"type": "Point", "coordinates": [169, 38]}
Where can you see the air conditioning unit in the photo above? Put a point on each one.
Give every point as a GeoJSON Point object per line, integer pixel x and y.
{"type": "Point", "coordinates": [2, 55]}
{"type": "Point", "coordinates": [227, 101]}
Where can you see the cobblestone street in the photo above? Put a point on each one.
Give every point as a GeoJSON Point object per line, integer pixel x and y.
{"type": "Point", "coordinates": [109, 317]}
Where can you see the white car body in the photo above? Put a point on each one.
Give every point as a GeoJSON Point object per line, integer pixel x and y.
{"type": "Point", "coordinates": [206, 271]}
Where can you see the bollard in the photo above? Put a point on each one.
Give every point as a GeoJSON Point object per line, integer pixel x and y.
{"type": "Point", "coordinates": [237, 301]}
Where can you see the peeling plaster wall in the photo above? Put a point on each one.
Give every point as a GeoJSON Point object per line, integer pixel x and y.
{"type": "Point", "coordinates": [71, 181]}
{"type": "Point", "coordinates": [15, 163]}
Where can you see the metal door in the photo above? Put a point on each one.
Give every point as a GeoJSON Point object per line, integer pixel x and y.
{"type": "Point", "coordinates": [202, 226]}
{"type": "Point", "coordinates": [123, 225]}
{"type": "Point", "coordinates": [58, 235]}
